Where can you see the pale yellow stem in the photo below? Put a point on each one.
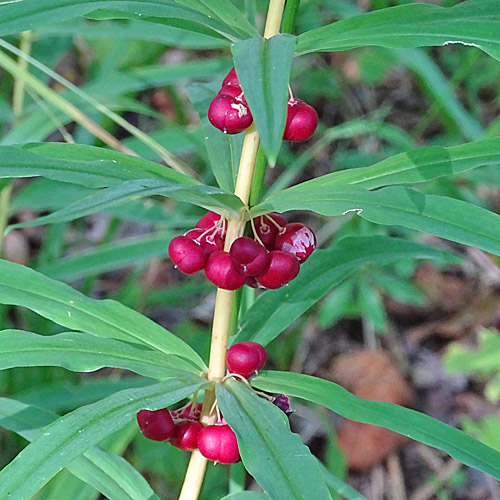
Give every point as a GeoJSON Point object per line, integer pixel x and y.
{"type": "Point", "coordinates": [274, 15]}
{"type": "Point", "coordinates": [196, 471]}
{"type": "Point", "coordinates": [18, 92]}
{"type": "Point", "coordinates": [224, 299]}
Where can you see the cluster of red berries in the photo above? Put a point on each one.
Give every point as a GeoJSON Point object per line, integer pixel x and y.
{"type": "Point", "coordinates": [229, 112]}
{"type": "Point", "coordinates": [183, 429]}
{"type": "Point", "coordinates": [271, 260]}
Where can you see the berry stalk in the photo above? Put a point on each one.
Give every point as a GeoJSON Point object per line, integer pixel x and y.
{"type": "Point", "coordinates": [224, 300]}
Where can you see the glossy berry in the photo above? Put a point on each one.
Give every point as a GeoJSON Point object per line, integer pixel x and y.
{"type": "Point", "coordinates": [229, 114]}
{"type": "Point", "coordinates": [187, 255]}
{"type": "Point", "coordinates": [301, 121]}
{"type": "Point", "coordinates": [297, 239]}
{"type": "Point", "coordinates": [231, 79]}
{"type": "Point", "coordinates": [157, 424]}
{"type": "Point", "coordinates": [234, 91]}
{"type": "Point", "coordinates": [186, 435]}
{"type": "Point", "coordinates": [283, 267]}
{"type": "Point", "coordinates": [222, 272]}
{"type": "Point", "coordinates": [209, 241]}
{"type": "Point", "coordinates": [245, 358]}
{"type": "Point", "coordinates": [218, 443]}
{"type": "Point", "coordinates": [208, 221]}
{"type": "Point", "coordinates": [267, 230]}
{"type": "Point", "coordinates": [249, 256]}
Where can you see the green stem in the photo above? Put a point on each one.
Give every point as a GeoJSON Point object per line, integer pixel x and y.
{"type": "Point", "coordinates": [290, 16]}
{"type": "Point", "coordinates": [4, 211]}
{"type": "Point", "coordinates": [258, 177]}
{"type": "Point", "coordinates": [235, 311]}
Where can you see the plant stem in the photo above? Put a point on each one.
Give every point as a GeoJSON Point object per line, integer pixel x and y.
{"type": "Point", "coordinates": [5, 192]}
{"type": "Point", "coordinates": [18, 93]}
{"type": "Point", "coordinates": [195, 473]}
{"type": "Point", "coordinates": [224, 300]}
{"type": "Point", "coordinates": [258, 177]}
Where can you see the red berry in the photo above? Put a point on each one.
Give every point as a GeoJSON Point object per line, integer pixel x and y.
{"type": "Point", "coordinates": [229, 114]}
{"type": "Point", "coordinates": [267, 230]}
{"type": "Point", "coordinates": [208, 221]}
{"type": "Point", "coordinates": [186, 435]}
{"type": "Point", "coordinates": [301, 121]}
{"type": "Point", "coordinates": [187, 255]}
{"type": "Point", "coordinates": [234, 91]}
{"type": "Point", "coordinates": [218, 443]}
{"type": "Point", "coordinates": [249, 256]}
{"type": "Point", "coordinates": [298, 239]}
{"type": "Point", "coordinates": [246, 358]}
{"type": "Point", "coordinates": [221, 271]}
{"type": "Point", "coordinates": [283, 267]}
{"type": "Point", "coordinates": [157, 424]}
{"type": "Point", "coordinates": [231, 79]}
{"type": "Point", "coordinates": [209, 241]}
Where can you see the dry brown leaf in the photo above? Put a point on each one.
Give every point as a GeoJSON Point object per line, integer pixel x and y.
{"type": "Point", "coordinates": [369, 375]}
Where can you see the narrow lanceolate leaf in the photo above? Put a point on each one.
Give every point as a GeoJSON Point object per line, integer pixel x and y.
{"type": "Point", "coordinates": [418, 165]}
{"type": "Point", "coordinates": [475, 23]}
{"type": "Point", "coordinates": [442, 216]}
{"type": "Point", "coordinates": [204, 196]}
{"type": "Point", "coordinates": [58, 302]}
{"type": "Point", "coordinates": [247, 495]}
{"type": "Point", "coordinates": [396, 418]}
{"type": "Point", "coordinates": [82, 352]}
{"type": "Point", "coordinates": [337, 485]}
{"type": "Point", "coordinates": [216, 20]}
{"type": "Point", "coordinates": [223, 149]}
{"type": "Point", "coordinates": [263, 68]}
{"type": "Point", "coordinates": [274, 310]}
{"type": "Point", "coordinates": [85, 165]}
{"type": "Point", "coordinates": [109, 474]}
{"type": "Point", "coordinates": [108, 257]}
{"type": "Point", "coordinates": [278, 460]}
{"type": "Point", "coordinates": [73, 434]}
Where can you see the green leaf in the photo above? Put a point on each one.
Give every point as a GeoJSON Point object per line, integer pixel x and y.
{"type": "Point", "coordinates": [205, 196]}
{"type": "Point", "coordinates": [108, 257]}
{"type": "Point", "coordinates": [223, 149]}
{"type": "Point", "coordinates": [418, 165]}
{"type": "Point", "coordinates": [396, 418]}
{"type": "Point", "coordinates": [442, 216]}
{"type": "Point", "coordinates": [86, 165]}
{"type": "Point", "coordinates": [337, 485]}
{"type": "Point", "coordinates": [112, 476]}
{"type": "Point", "coordinates": [247, 495]}
{"type": "Point", "coordinates": [73, 434]}
{"type": "Point", "coordinates": [433, 80]}
{"type": "Point", "coordinates": [216, 18]}
{"type": "Point", "coordinates": [274, 310]}
{"type": "Point", "coordinates": [278, 460]}
{"type": "Point", "coordinates": [483, 360]}
{"type": "Point", "coordinates": [82, 352]}
{"type": "Point", "coordinates": [132, 30]}
{"type": "Point", "coordinates": [475, 23]}
{"type": "Point", "coordinates": [58, 302]}
{"type": "Point", "coordinates": [263, 68]}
